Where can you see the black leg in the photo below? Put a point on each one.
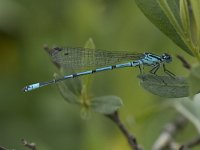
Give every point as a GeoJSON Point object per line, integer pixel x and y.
{"type": "Point", "coordinates": [155, 69]}
{"type": "Point", "coordinates": [168, 72]}
{"type": "Point", "coordinates": [141, 67]}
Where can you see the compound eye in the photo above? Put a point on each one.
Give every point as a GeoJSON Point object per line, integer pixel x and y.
{"type": "Point", "coordinates": [167, 57]}
{"type": "Point", "coordinates": [164, 56]}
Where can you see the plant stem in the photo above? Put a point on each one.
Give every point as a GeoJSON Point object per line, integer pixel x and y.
{"type": "Point", "coordinates": [130, 137]}
{"type": "Point", "coordinates": [2, 148]}
{"type": "Point", "coordinates": [31, 146]}
{"type": "Point", "coordinates": [192, 143]}
{"type": "Point", "coordinates": [165, 139]}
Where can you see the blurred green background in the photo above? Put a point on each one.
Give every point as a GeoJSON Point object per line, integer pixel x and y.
{"type": "Point", "coordinates": [42, 116]}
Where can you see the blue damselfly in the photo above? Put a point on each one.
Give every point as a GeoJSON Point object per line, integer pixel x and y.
{"type": "Point", "coordinates": [101, 60]}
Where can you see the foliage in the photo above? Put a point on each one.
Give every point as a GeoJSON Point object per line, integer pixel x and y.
{"type": "Point", "coordinates": [165, 86]}
{"type": "Point", "coordinates": [180, 24]}
{"type": "Point", "coordinates": [76, 91]}
{"type": "Point", "coordinates": [179, 20]}
{"type": "Point", "coordinates": [175, 19]}
{"type": "Point", "coordinates": [41, 115]}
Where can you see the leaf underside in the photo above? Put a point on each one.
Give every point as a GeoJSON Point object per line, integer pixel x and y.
{"type": "Point", "coordinates": [165, 86]}
{"type": "Point", "coordinates": [153, 11]}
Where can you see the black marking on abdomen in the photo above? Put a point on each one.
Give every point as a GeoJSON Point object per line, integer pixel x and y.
{"type": "Point", "coordinates": [114, 66]}
{"type": "Point", "coordinates": [75, 75]}
{"type": "Point", "coordinates": [93, 71]}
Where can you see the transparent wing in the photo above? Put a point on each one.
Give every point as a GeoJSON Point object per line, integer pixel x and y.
{"type": "Point", "coordinates": [81, 58]}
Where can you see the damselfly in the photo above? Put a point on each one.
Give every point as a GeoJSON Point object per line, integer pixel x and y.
{"type": "Point", "coordinates": [102, 60]}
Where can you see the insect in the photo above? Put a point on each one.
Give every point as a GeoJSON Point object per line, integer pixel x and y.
{"type": "Point", "coordinates": [101, 60]}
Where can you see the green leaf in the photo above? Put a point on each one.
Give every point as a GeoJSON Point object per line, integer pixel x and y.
{"type": "Point", "coordinates": [165, 15]}
{"type": "Point", "coordinates": [106, 104]}
{"type": "Point", "coordinates": [195, 6]}
{"type": "Point", "coordinates": [164, 86]}
{"type": "Point", "coordinates": [196, 11]}
{"type": "Point", "coordinates": [185, 17]}
{"type": "Point", "coordinates": [87, 79]}
{"type": "Point", "coordinates": [194, 80]}
{"type": "Point", "coordinates": [190, 109]}
{"type": "Point", "coordinates": [90, 44]}
{"type": "Point", "coordinates": [70, 89]}
{"type": "Point", "coordinates": [85, 113]}
{"type": "Point", "coordinates": [75, 90]}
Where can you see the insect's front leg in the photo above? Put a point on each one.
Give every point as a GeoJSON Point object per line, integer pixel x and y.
{"type": "Point", "coordinates": [168, 72]}
{"type": "Point", "coordinates": [141, 67]}
{"type": "Point", "coordinates": [155, 68]}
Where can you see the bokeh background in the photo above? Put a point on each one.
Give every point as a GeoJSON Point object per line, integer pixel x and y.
{"type": "Point", "coordinates": [42, 116]}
